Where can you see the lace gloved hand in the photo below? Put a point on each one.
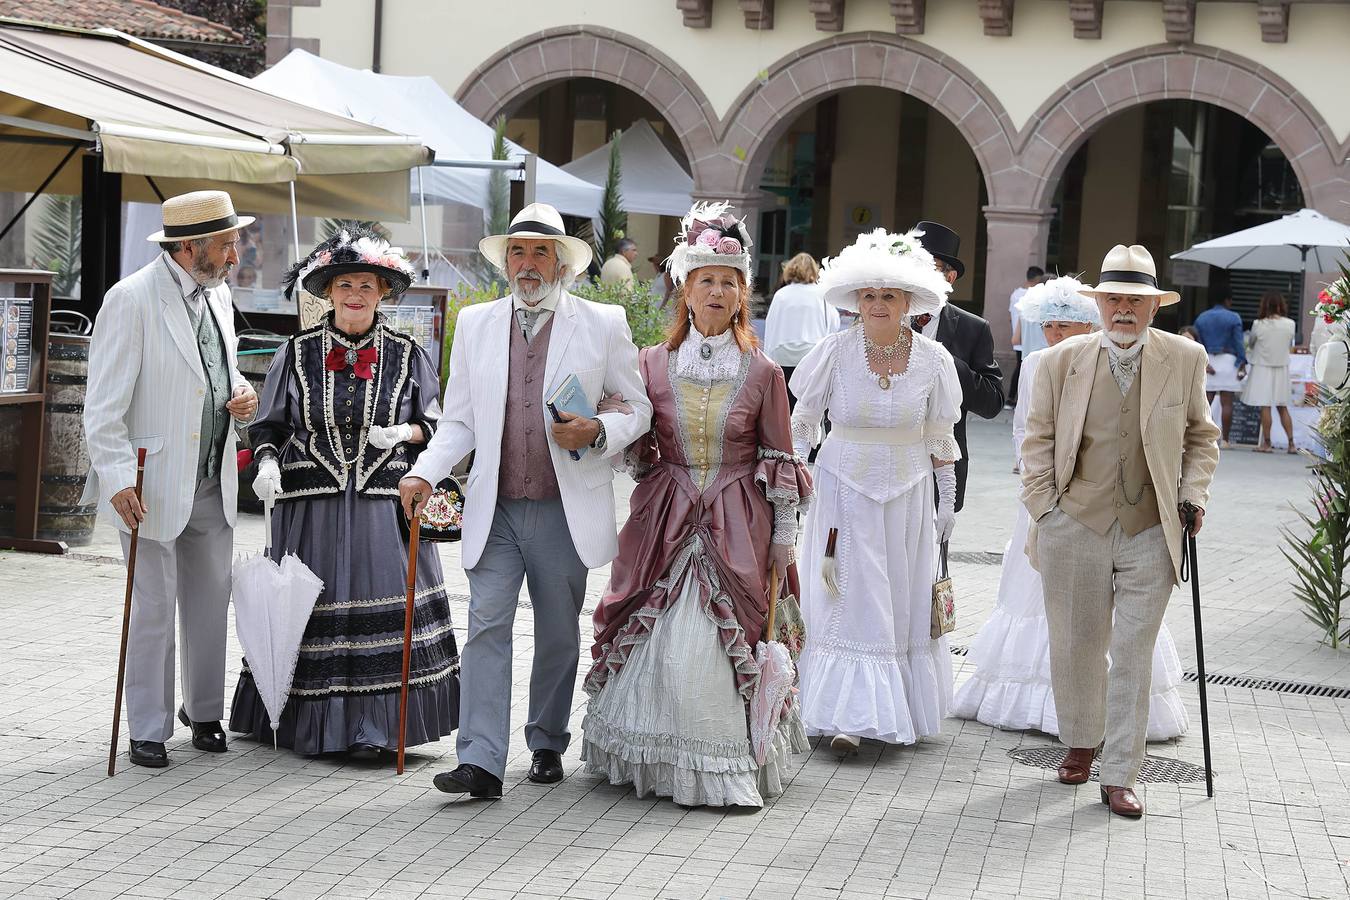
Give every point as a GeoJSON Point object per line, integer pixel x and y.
{"type": "Point", "coordinates": [268, 483]}
{"type": "Point", "coordinates": [385, 438]}
{"type": "Point", "coordinates": [946, 509]}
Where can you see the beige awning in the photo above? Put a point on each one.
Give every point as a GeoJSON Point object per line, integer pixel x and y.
{"type": "Point", "coordinates": [188, 126]}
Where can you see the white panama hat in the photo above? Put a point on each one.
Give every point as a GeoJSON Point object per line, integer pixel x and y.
{"type": "Point", "coordinates": [879, 259]}
{"type": "Point", "coordinates": [198, 214]}
{"type": "Point", "coordinates": [1130, 270]}
{"type": "Point", "coordinates": [538, 221]}
{"type": "Point", "coordinates": [1331, 366]}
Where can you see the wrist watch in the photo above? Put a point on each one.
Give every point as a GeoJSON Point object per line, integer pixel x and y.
{"type": "Point", "coordinates": [599, 442]}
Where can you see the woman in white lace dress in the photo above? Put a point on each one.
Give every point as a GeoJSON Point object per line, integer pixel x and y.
{"type": "Point", "coordinates": [1010, 687]}
{"type": "Point", "coordinates": [870, 669]}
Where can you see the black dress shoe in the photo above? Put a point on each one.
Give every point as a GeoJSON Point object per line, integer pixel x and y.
{"type": "Point", "coordinates": [470, 779]}
{"type": "Point", "coordinates": [363, 752]}
{"type": "Point", "coordinates": [208, 736]}
{"type": "Point", "coordinates": [150, 754]}
{"type": "Point", "coordinates": [547, 767]}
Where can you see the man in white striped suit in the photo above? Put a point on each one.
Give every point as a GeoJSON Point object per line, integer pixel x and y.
{"type": "Point", "coordinates": [531, 511]}
{"type": "Point", "coordinates": [162, 376]}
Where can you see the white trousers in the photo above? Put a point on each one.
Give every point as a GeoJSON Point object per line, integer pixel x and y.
{"type": "Point", "coordinates": [191, 575]}
{"type": "Point", "coordinates": [1087, 579]}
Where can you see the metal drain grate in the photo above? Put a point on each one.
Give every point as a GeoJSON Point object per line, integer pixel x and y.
{"type": "Point", "coordinates": [1270, 684]}
{"type": "Point", "coordinates": [1155, 770]}
{"type": "Point", "coordinates": [979, 558]}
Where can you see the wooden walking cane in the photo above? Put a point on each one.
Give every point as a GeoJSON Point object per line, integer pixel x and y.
{"type": "Point", "coordinates": [773, 605]}
{"type": "Point", "coordinates": [126, 619]}
{"type": "Point", "coordinates": [1188, 560]}
{"type": "Point", "coordinates": [414, 536]}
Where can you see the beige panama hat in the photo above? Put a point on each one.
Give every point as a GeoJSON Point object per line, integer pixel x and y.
{"type": "Point", "coordinates": [1130, 270]}
{"type": "Point", "coordinates": [538, 221]}
{"type": "Point", "coordinates": [198, 214]}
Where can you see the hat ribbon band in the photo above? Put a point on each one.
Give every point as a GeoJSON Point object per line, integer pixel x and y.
{"type": "Point", "coordinates": [539, 227]}
{"type": "Point", "coordinates": [1130, 277]}
{"type": "Point", "coordinates": [178, 231]}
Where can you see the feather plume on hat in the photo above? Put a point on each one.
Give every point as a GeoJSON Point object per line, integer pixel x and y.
{"type": "Point", "coordinates": [353, 248]}
{"type": "Point", "coordinates": [881, 259]}
{"type": "Point", "coordinates": [710, 235]}
{"type": "Point", "coordinates": [1058, 300]}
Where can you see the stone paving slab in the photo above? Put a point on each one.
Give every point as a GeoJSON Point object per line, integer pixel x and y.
{"type": "Point", "coordinates": [953, 817]}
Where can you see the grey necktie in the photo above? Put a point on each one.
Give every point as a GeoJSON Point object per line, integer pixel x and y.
{"type": "Point", "coordinates": [528, 318]}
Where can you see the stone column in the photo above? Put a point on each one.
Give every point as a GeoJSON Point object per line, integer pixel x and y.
{"type": "Point", "coordinates": [1016, 239]}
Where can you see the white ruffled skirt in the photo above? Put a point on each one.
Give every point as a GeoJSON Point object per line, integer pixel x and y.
{"type": "Point", "coordinates": [672, 723]}
{"type": "Point", "coordinates": [869, 668]}
{"type": "Point", "coordinates": [1010, 687]}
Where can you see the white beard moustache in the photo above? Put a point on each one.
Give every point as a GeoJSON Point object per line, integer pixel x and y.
{"type": "Point", "coordinates": [532, 297]}
{"type": "Point", "coordinates": [1121, 337]}
{"type": "Point", "coordinates": [210, 277]}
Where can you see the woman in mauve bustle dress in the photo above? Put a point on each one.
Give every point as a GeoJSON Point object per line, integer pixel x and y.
{"type": "Point", "coordinates": [713, 513]}
{"type": "Point", "coordinates": [345, 407]}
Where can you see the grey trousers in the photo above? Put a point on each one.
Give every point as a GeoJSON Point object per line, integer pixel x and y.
{"type": "Point", "coordinates": [529, 541]}
{"type": "Point", "coordinates": [1088, 578]}
{"type": "Point", "coordinates": [191, 575]}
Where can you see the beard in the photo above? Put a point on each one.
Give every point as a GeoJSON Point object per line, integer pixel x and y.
{"type": "Point", "coordinates": [208, 275]}
{"type": "Point", "coordinates": [531, 296]}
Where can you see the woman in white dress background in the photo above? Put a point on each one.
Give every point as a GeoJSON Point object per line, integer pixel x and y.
{"type": "Point", "coordinates": [1267, 382]}
{"type": "Point", "coordinates": [870, 669]}
{"type": "Point", "coordinates": [1010, 687]}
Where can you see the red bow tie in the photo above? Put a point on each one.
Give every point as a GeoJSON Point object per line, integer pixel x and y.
{"type": "Point", "coordinates": [360, 361]}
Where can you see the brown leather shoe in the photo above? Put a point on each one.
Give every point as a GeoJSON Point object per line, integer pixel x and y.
{"type": "Point", "coordinates": [1077, 765]}
{"type": "Point", "coordinates": [1122, 801]}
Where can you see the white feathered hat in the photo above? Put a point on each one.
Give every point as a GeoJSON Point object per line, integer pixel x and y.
{"type": "Point", "coordinates": [1058, 300]}
{"type": "Point", "coordinates": [710, 236]}
{"type": "Point", "coordinates": [880, 259]}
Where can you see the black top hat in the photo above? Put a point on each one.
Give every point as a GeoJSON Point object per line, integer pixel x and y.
{"type": "Point", "coordinates": [943, 243]}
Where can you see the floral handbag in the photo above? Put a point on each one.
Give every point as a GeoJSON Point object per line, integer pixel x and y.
{"type": "Point", "coordinates": [788, 621]}
{"type": "Point", "coordinates": [943, 618]}
{"type": "Point", "coordinates": [442, 514]}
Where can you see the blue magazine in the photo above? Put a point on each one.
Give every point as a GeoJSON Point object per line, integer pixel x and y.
{"type": "Point", "coordinates": [570, 398]}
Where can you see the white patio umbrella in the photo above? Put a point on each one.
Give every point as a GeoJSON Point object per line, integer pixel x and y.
{"type": "Point", "coordinates": [1299, 242]}
{"type": "Point", "coordinates": [272, 603]}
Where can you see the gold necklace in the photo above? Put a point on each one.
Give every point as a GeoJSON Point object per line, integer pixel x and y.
{"type": "Point", "coordinates": [887, 354]}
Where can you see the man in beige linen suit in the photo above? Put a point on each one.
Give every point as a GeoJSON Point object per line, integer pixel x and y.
{"type": "Point", "coordinates": [1118, 439]}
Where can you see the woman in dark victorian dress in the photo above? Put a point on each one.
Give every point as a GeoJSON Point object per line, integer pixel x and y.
{"type": "Point", "coordinates": [346, 406]}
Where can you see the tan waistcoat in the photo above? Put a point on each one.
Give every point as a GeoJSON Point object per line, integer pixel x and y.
{"type": "Point", "coordinates": [1111, 480]}
{"type": "Point", "coordinates": [526, 464]}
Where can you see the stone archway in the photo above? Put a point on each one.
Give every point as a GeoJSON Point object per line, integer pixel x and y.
{"type": "Point", "coordinates": [1169, 72]}
{"type": "Point", "coordinates": [765, 109]}
{"type": "Point", "coordinates": [586, 51]}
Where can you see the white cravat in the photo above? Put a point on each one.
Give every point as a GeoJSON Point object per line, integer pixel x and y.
{"type": "Point", "coordinates": [1124, 361]}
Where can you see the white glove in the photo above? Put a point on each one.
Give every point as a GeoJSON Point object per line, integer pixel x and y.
{"type": "Point", "coordinates": [268, 483]}
{"type": "Point", "coordinates": [389, 437]}
{"type": "Point", "coordinates": [946, 509]}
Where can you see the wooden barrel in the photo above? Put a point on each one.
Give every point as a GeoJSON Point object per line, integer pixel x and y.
{"type": "Point", "coordinates": [65, 464]}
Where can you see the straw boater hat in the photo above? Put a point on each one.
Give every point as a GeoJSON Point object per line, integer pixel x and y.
{"type": "Point", "coordinates": [538, 221]}
{"type": "Point", "coordinates": [710, 235]}
{"type": "Point", "coordinates": [354, 248]}
{"type": "Point", "coordinates": [1058, 300]}
{"type": "Point", "coordinates": [879, 259]}
{"type": "Point", "coordinates": [1130, 270]}
{"type": "Point", "coordinates": [197, 215]}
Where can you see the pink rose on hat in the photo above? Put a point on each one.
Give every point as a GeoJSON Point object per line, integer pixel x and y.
{"type": "Point", "coordinates": [709, 238]}
{"type": "Point", "coordinates": [728, 245]}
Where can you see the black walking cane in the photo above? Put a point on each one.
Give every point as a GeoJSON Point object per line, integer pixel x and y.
{"type": "Point", "coordinates": [1188, 565]}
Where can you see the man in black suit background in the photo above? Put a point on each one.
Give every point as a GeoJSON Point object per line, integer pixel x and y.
{"type": "Point", "coordinates": [967, 337]}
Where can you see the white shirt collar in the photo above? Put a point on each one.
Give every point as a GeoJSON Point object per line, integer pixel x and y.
{"type": "Point", "coordinates": [186, 283]}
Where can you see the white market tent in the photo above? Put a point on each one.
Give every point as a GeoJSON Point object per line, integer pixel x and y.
{"type": "Point", "coordinates": [418, 105]}
{"type": "Point", "coordinates": [652, 180]}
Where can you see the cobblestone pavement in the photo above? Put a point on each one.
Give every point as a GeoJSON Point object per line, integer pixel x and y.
{"type": "Point", "coordinates": [952, 817]}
